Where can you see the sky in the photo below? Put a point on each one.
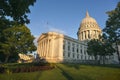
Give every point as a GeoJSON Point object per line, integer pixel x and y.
{"type": "Point", "coordinates": [65, 16]}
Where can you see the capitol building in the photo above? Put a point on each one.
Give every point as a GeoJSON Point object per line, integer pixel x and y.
{"type": "Point", "coordinates": [56, 47]}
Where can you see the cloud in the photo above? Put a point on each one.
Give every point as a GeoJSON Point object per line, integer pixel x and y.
{"type": "Point", "coordinates": [57, 30]}
{"type": "Point", "coordinates": [49, 27]}
{"type": "Point", "coordinates": [35, 40]}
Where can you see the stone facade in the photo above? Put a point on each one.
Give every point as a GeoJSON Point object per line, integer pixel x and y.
{"type": "Point", "coordinates": [24, 58]}
{"type": "Point", "coordinates": [50, 46]}
{"type": "Point", "coordinates": [55, 47]}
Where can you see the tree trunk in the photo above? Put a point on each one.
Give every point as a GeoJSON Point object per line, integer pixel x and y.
{"type": "Point", "coordinates": [6, 58]}
{"type": "Point", "coordinates": [117, 50]}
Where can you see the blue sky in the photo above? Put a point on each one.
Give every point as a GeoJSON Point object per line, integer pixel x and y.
{"type": "Point", "coordinates": [64, 16]}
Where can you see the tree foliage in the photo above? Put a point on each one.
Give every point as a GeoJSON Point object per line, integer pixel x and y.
{"type": "Point", "coordinates": [16, 9]}
{"type": "Point", "coordinates": [94, 48]}
{"type": "Point", "coordinates": [112, 29]}
{"type": "Point", "coordinates": [100, 49]}
{"type": "Point", "coordinates": [15, 37]}
{"type": "Point", "coordinates": [111, 35]}
{"type": "Point", "coordinates": [18, 39]}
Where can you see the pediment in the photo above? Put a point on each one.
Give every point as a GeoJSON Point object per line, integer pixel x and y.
{"type": "Point", "coordinates": [42, 36]}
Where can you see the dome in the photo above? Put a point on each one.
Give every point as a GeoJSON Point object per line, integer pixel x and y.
{"type": "Point", "coordinates": [88, 29]}
{"type": "Point", "coordinates": [88, 23]}
{"type": "Point", "coordinates": [88, 19]}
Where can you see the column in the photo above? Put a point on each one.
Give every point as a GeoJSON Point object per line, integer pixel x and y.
{"type": "Point", "coordinates": [83, 36]}
{"type": "Point", "coordinates": [87, 34]}
{"type": "Point", "coordinates": [60, 48]}
{"type": "Point", "coordinates": [46, 48]}
{"type": "Point", "coordinates": [48, 51]}
{"type": "Point", "coordinates": [95, 35]}
{"type": "Point", "coordinates": [49, 48]}
{"type": "Point", "coordinates": [42, 50]}
{"type": "Point", "coordinates": [52, 47]}
{"type": "Point", "coordinates": [80, 36]}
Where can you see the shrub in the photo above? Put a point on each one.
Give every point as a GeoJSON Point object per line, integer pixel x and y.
{"type": "Point", "coordinates": [2, 69]}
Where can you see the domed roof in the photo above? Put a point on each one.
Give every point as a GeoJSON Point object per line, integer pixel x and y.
{"type": "Point", "coordinates": [88, 19]}
{"type": "Point", "coordinates": [89, 29]}
{"type": "Point", "coordinates": [89, 23]}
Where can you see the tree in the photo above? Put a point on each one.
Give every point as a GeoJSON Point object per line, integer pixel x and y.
{"type": "Point", "coordinates": [94, 48]}
{"type": "Point", "coordinates": [18, 39]}
{"type": "Point", "coordinates": [100, 49]}
{"type": "Point", "coordinates": [13, 14]}
{"type": "Point", "coordinates": [112, 29]}
{"type": "Point", "coordinates": [16, 9]}
{"type": "Point", "coordinates": [107, 48]}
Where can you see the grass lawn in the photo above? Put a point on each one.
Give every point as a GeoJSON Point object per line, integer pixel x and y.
{"type": "Point", "coordinates": [68, 72]}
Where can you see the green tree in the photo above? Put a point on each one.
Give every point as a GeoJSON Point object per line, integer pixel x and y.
{"type": "Point", "coordinates": [18, 39]}
{"type": "Point", "coordinates": [93, 48]}
{"type": "Point", "coordinates": [100, 49]}
{"type": "Point", "coordinates": [13, 14]}
{"type": "Point", "coordinates": [112, 29]}
{"type": "Point", "coordinates": [106, 49]}
{"type": "Point", "coordinates": [17, 10]}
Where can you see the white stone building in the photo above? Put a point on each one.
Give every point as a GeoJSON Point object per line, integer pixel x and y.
{"type": "Point", "coordinates": [56, 47]}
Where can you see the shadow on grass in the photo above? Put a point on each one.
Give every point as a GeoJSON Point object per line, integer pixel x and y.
{"type": "Point", "coordinates": [37, 76]}
{"type": "Point", "coordinates": [65, 74]}
{"type": "Point", "coordinates": [78, 66]}
{"type": "Point", "coordinates": [106, 65]}
{"type": "Point", "coordinates": [77, 77]}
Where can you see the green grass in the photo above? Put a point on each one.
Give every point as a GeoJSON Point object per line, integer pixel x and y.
{"type": "Point", "coordinates": [68, 72]}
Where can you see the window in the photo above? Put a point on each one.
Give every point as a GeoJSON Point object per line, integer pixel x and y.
{"type": "Point", "coordinates": [73, 49]}
{"type": "Point", "coordinates": [68, 47]}
{"type": "Point", "coordinates": [68, 54]}
{"type": "Point", "coordinates": [77, 55]}
{"type": "Point", "coordinates": [77, 50]}
{"type": "Point", "coordinates": [81, 51]}
{"type": "Point", "coordinates": [85, 52]}
{"type": "Point", "coordinates": [73, 55]}
{"type": "Point", "coordinates": [68, 43]}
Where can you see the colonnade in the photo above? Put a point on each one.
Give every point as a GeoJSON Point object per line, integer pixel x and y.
{"type": "Point", "coordinates": [89, 34]}
{"type": "Point", "coordinates": [44, 48]}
